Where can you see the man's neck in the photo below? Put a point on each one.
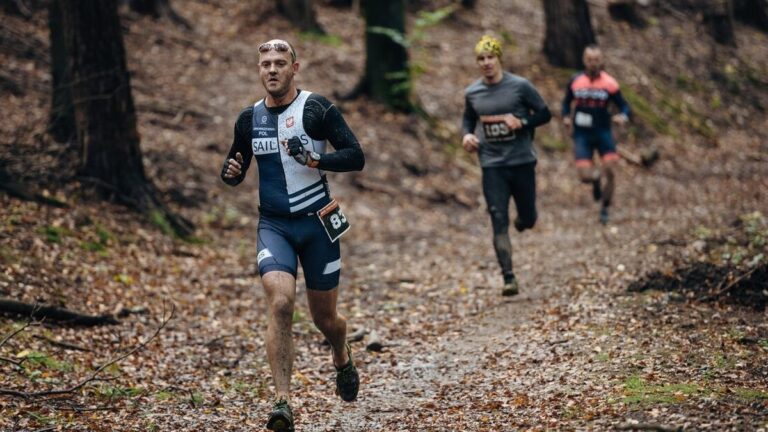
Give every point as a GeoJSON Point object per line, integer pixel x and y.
{"type": "Point", "coordinates": [494, 79]}
{"type": "Point", "coordinates": [285, 99]}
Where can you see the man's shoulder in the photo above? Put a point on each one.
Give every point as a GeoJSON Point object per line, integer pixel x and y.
{"type": "Point", "coordinates": [610, 82]}
{"type": "Point", "coordinates": [475, 86]}
{"type": "Point", "coordinates": [317, 99]}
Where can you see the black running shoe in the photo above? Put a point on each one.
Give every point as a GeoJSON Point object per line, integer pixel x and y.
{"type": "Point", "coordinates": [597, 192]}
{"type": "Point", "coordinates": [511, 288]}
{"type": "Point", "coordinates": [281, 418]}
{"type": "Point", "coordinates": [604, 215]}
{"type": "Point", "coordinates": [347, 380]}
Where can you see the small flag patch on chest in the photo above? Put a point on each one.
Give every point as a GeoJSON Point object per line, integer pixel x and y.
{"type": "Point", "coordinates": [289, 122]}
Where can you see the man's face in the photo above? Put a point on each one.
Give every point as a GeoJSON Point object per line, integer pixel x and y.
{"type": "Point", "coordinates": [593, 61]}
{"type": "Point", "coordinates": [489, 64]}
{"type": "Point", "coordinates": [277, 69]}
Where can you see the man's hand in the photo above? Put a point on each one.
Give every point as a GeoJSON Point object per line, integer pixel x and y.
{"type": "Point", "coordinates": [568, 123]}
{"type": "Point", "coordinates": [470, 143]}
{"type": "Point", "coordinates": [234, 166]}
{"type": "Point", "coordinates": [296, 150]}
{"type": "Point", "coordinates": [513, 122]}
{"type": "Point", "coordinates": [620, 119]}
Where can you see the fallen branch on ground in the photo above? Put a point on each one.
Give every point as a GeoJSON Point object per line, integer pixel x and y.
{"type": "Point", "coordinates": [65, 345]}
{"type": "Point", "coordinates": [94, 375]}
{"type": "Point", "coordinates": [37, 311]}
{"type": "Point", "coordinates": [648, 427]}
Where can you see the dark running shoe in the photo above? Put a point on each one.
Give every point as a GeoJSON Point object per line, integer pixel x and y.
{"type": "Point", "coordinates": [511, 288]}
{"type": "Point", "coordinates": [347, 379]}
{"type": "Point", "coordinates": [281, 418]}
{"type": "Point", "coordinates": [604, 215]}
{"type": "Point", "coordinates": [597, 192]}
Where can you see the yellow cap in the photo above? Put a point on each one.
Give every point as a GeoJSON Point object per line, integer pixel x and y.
{"type": "Point", "coordinates": [489, 44]}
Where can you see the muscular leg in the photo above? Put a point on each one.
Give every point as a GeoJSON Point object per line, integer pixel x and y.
{"type": "Point", "coordinates": [280, 288]}
{"type": "Point", "coordinates": [322, 306]}
{"type": "Point", "coordinates": [497, 193]}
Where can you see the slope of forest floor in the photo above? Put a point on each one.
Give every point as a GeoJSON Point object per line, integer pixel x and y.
{"type": "Point", "coordinates": [657, 319]}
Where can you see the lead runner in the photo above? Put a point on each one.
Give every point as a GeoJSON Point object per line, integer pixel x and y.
{"type": "Point", "coordinates": [286, 132]}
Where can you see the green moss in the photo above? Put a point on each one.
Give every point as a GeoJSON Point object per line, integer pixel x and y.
{"type": "Point", "coordinates": [751, 395]}
{"type": "Point", "coordinates": [52, 234]}
{"type": "Point", "coordinates": [637, 391]}
{"type": "Point", "coordinates": [646, 113]}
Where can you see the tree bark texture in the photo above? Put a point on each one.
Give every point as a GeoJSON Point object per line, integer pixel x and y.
{"type": "Point", "coordinates": [387, 74]}
{"type": "Point", "coordinates": [158, 9]}
{"type": "Point", "coordinates": [61, 123]}
{"type": "Point", "coordinates": [718, 19]}
{"type": "Point", "coordinates": [105, 117]}
{"type": "Point", "coordinates": [302, 14]}
{"type": "Point", "coordinates": [568, 32]}
{"type": "Point", "coordinates": [752, 12]}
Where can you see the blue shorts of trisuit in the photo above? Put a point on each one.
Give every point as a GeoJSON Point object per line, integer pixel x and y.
{"type": "Point", "coordinates": [282, 239]}
{"type": "Point", "coordinates": [586, 141]}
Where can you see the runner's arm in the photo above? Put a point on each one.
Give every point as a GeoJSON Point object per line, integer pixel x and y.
{"type": "Point", "coordinates": [537, 107]}
{"type": "Point", "coordinates": [240, 144]}
{"type": "Point", "coordinates": [323, 120]}
{"type": "Point", "coordinates": [469, 119]}
{"type": "Point", "coordinates": [620, 102]}
{"type": "Point", "coordinates": [567, 100]}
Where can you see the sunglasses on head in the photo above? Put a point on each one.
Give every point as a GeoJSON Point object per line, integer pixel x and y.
{"type": "Point", "coordinates": [277, 46]}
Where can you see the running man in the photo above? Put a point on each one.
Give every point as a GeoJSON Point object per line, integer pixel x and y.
{"type": "Point", "coordinates": [286, 132]}
{"type": "Point", "coordinates": [506, 109]}
{"type": "Point", "coordinates": [592, 90]}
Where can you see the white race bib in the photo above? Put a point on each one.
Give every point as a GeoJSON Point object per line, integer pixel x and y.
{"type": "Point", "coordinates": [583, 119]}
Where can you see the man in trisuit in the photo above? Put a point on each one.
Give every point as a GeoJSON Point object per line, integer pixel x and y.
{"type": "Point", "coordinates": [501, 113]}
{"type": "Point", "coordinates": [590, 92]}
{"type": "Point", "coordinates": [286, 132]}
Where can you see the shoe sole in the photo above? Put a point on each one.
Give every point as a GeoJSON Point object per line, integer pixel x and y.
{"type": "Point", "coordinates": [509, 293]}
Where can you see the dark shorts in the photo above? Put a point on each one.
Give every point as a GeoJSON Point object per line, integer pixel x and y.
{"type": "Point", "coordinates": [281, 240]}
{"type": "Point", "coordinates": [516, 182]}
{"type": "Point", "coordinates": [586, 141]}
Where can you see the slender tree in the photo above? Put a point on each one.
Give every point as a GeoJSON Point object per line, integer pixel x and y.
{"type": "Point", "coordinates": [568, 32]}
{"type": "Point", "coordinates": [752, 12]}
{"type": "Point", "coordinates": [105, 117]}
{"type": "Point", "coordinates": [62, 117]}
{"type": "Point", "coordinates": [718, 19]}
{"type": "Point", "coordinates": [387, 74]}
{"type": "Point", "coordinates": [302, 14]}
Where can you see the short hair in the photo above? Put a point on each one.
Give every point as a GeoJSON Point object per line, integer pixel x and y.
{"type": "Point", "coordinates": [593, 47]}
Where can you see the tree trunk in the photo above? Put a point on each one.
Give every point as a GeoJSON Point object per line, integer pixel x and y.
{"type": "Point", "coordinates": [626, 10]}
{"type": "Point", "coordinates": [469, 4]}
{"type": "Point", "coordinates": [61, 123]}
{"type": "Point", "coordinates": [752, 12]}
{"type": "Point", "coordinates": [387, 74]}
{"type": "Point", "coordinates": [105, 117]}
{"type": "Point", "coordinates": [569, 31]}
{"type": "Point", "coordinates": [302, 14]}
{"type": "Point", "coordinates": [158, 9]}
{"type": "Point", "coordinates": [718, 19]}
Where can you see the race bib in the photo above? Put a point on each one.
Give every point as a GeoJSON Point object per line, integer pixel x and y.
{"type": "Point", "coordinates": [583, 119]}
{"type": "Point", "coordinates": [333, 220]}
{"type": "Point", "coordinates": [495, 129]}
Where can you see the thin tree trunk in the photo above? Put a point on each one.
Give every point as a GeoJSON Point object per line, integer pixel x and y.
{"type": "Point", "coordinates": [158, 9]}
{"type": "Point", "coordinates": [62, 116]}
{"type": "Point", "coordinates": [302, 14]}
{"type": "Point", "coordinates": [387, 74]}
{"type": "Point", "coordinates": [718, 19]}
{"type": "Point", "coordinates": [752, 12]}
{"type": "Point", "coordinates": [568, 32]}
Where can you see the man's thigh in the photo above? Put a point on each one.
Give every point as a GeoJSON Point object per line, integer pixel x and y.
{"type": "Point", "coordinates": [275, 251]}
{"type": "Point", "coordinates": [320, 258]}
{"type": "Point", "coordinates": [524, 192]}
{"type": "Point", "coordinates": [497, 190]}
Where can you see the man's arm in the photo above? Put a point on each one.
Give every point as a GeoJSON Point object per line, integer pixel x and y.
{"type": "Point", "coordinates": [567, 101]}
{"type": "Point", "coordinates": [469, 119]}
{"type": "Point", "coordinates": [620, 102]}
{"type": "Point", "coordinates": [537, 107]}
{"type": "Point", "coordinates": [240, 144]}
{"type": "Point", "coordinates": [323, 120]}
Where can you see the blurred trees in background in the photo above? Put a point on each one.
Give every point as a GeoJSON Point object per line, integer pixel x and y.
{"type": "Point", "coordinates": [568, 32]}
{"type": "Point", "coordinates": [158, 9]}
{"type": "Point", "coordinates": [301, 13]}
{"type": "Point", "coordinates": [92, 53]}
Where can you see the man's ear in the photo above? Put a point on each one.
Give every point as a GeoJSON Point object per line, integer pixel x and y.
{"type": "Point", "coordinates": [295, 67]}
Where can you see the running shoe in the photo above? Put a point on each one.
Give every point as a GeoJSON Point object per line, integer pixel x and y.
{"type": "Point", "coordinates": [347, 379]}
{"type": "Point", "coordinates": [281, 418]}
{"type": "Point", "coordinates": [511, 288]}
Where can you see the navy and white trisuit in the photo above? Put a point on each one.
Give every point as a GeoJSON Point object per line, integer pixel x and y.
{"type": "Point", "coordinates": [290, 193]}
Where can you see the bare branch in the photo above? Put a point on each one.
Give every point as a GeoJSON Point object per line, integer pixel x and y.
{"type": "Point", "coordinates": [94, 374]}
{"type": "Point", "coordinates": [17, 331]}
{"type": "Point", "coordinates": [60, 344]}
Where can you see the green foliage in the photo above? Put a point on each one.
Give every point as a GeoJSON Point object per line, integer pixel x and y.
{"type": "Point", "coordinates": [637, 391]}
{"type": "Point", "coordinates": [325, 39]}
{"type": "Point", "coordinates": [41, 418]}
{"type": "Point", "coordinates": [116, 392]}
{"type": "Point", "coordinates": [298, 316]}
{"type": "Point", "coordinates": [393, 34]}
{"type": "Point", "coordinates": [52, 234]}
{"type": "Point", "coordinates": [552, 143]}
{"type": "Point", "coordinates": [751, 395]}
{"type": "Point", "coordinates": [36, 358]}
{"type": "Point", "coordinates": [159, 220]}
{"type": "Point", "coordinates": [163, 395]}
